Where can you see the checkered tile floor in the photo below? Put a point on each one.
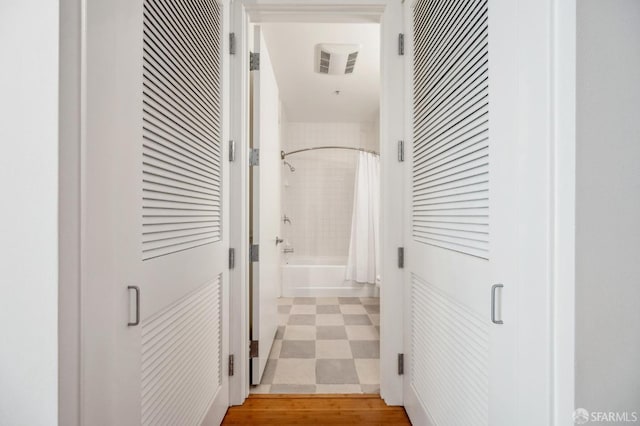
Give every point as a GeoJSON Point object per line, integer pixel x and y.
{"type": "Point", "coordinates": [325, 345]}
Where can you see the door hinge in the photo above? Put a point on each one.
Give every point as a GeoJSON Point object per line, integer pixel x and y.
{"type": "Point", "coordinates": [401, 151]}
{"type": "Point", "coordinates": [232, 43]}
{"type": "Point", "coordinates": [400, 257]}
{"type": "Point", "coordinates": [254, 157]}
{"type": "Point", "coordinates": [231, 365]}
{"type": "Point", "coordinates": [400, 44]}
{"type": "Point", "coordinates": [232, 258]}
{"type": "Point", "coordinates": [254, 253]}
{"type": "Point", "coordinates": [254, 349]}
{"type": "Point", "coordinates": [254, 61]}
{"type": "Point", "coordinates": [232, 151]}
{"type": "Point", "coordinates": [400, 364]}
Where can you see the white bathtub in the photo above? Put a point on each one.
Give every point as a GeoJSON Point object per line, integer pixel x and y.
{"type": "Point", "coordinates": [320, 277]}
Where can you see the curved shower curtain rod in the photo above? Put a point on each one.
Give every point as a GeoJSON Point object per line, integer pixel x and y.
{"type": "Point", "coordinates": [283, 154]}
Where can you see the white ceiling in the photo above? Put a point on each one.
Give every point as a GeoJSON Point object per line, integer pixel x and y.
{"type": "Point", "coordinates": [310, 96]}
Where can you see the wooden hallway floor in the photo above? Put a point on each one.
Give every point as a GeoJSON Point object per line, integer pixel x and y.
{"type": "Point", "coordinates": [331, 409]}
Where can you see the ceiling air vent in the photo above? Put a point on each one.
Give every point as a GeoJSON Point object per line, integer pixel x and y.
{"type": "Point", "coordinates": [351, 62]}
{"type": "Point", "coordinates": [324, 62]}
{"type": "Point", "coordinates": [336, 59]}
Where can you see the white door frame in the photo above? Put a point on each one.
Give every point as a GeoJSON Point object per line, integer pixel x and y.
{"type": "Point", "coordinates": [389, 14]}
{"type": "Point", "coordinates": [563, 24]}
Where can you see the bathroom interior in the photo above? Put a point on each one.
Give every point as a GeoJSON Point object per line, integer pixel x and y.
{"type": "Point", "coordinates": [319, 95]}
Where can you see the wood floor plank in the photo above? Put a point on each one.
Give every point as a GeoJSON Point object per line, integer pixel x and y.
{"type": "Point", "coordinates": [315, 409]}
{"type": "Point", "coordinates": [328, 403]}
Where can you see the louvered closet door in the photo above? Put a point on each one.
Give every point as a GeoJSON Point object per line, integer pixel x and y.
{"type": "Point", "coordinates": [459, 363]}
{"type": "Point", "coordinates": [157, 77]}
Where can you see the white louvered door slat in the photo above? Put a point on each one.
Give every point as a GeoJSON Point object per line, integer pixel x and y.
{"type": "Point", "coordinates": [457, 182]}
{"type": "Point", "coordinates": [156, 93]}
{"type": "Point", "coordinates": [181, 97]}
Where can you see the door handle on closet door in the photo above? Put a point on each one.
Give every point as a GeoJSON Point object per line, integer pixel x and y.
{"type": "Point", "coordinates": [136, 289]}
{"type": "Point", "coordinates": [494, 289]}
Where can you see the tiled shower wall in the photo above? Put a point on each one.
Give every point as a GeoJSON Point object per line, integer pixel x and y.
{"type": "Point", "coordinates": [318, 196]}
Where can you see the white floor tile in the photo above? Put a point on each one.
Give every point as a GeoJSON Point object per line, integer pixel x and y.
{"type": "Point", "coordinates": [375, 319]}
{"type": "Point", "coordinates": [260, 389]}
{"type": "Point", "coordinates": [295, 372]}
{"type": "Point", "coordinates": [368, 371]}
{"type": "Point", "coordinates": [362, 332]}
{"type": "Point", "coordinates": [303, 309]}
{"type": "Point", "coordinates": [300, 332]}
{"type": "Point", "coordinates": [283, 319]}
{"type": "Point", "coordinates": [352, 309]}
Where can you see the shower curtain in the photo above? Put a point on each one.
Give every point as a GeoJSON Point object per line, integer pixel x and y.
{"type": "Point", "coordinates": [363, 263]}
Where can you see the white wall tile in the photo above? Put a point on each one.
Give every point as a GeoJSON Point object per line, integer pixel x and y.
{"type": "Point", "coordinates": [318, 196]}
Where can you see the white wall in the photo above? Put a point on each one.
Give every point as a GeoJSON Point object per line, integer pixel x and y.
{"type": "Point", "coordinates": [608, 206]}
{"type": "Point", "coordinates": [318, 196]}
{"type": "Point", "coordinates": [28, 217]}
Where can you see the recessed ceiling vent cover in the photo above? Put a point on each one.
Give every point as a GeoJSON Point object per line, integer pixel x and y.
{"type": "Point", "coordinates": [336, 59]}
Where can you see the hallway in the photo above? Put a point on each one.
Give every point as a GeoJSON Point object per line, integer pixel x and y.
{"type": "Point", "coordinates": [193, 189]}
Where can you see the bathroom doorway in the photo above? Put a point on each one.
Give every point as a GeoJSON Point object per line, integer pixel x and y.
{"type": "Point", "coordinates": [280, 163]}
{"type": "Point", "coordinates": [314, 224]}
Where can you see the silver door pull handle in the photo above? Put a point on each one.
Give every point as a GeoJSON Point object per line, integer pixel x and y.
{"type": "Point", "coordinates": [136, 289]}
{"type": "Point", "coordinates": [494, 288]}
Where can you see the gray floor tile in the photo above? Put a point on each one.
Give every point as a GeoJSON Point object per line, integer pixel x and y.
{"type": "Point", "coordinates": [280, 332]}
{"type": "Point", "coordinates": [302, 320]}
{"type": "Point", "coordinates": [269, 372]}
{"type": "Point", "coordinates": [298, 349]}
{"type": "Point", "coordinates": [326, 300]}
{"type": "Point", "coordinates": [293, 389]}
{"type": "Point", "coordinates": [372, 309]}
{"type": "Point", "coordinates": [349, 300]}
{"type": "Point", "coordinates": [356, 319]}
{"type": "Point", "coordinates": [330, 332]}
{"type": "Point", "coordinates": [336, 371]}
{"type": "Point", "coordinates": [365, 348]}
{"type": "Point", "coordinates": [328, 309]}
{"type": "Point", "coordinates": [284, 309]}
{"type": "Point", "coordinates": [304, 300]}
